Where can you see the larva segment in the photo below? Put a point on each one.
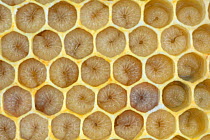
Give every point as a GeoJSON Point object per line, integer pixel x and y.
{"type": "Point", "coordinates": [80, 99]}
{"type": "Point", "coordinates": [128, 124]}
{"type": "Point", "coordinates": [47, 45]}
{"type": "Point", "coordinates": [190, 12]}
{"type": "Point", "coordinates": [17, 101]}
{"type": "Point", "coordinates": [174, 40]}
{"type": "Point", "coordinates": [161, 124]}
{"type": "Point", "coordinates": [177, 137]}
{"type": "Point", "coordinates": [34, 127]}
{"type": "Point", "coordinates": [158, 13]}
{"type": "Point", "coordinates": [31, 73]}
{"type": "Point", "coordinates": [30, 18]}
{"type": "Point", "coordinates": [190, 67]}
{"type": "Point", "coordinates": [7, 74]}
{"type": "Point", "coordinates": [110, 42]}
{"type": "Point", "coordinates": [63, 72]}
{"type": "Point", "coordinates": [97, 126]}
{"type": "Point", "coordinates": [94, 15]}
{"type": "Point", "coordinates": [45, 1]}
{"type": "Point", "coordinates": [49, 100]}
{"type": "Point", "coordinates": [66, 126]}
{"type": "Point", "coordinates": [127, 70]}
{"type": "Point", "coordinates": [206, 137]}
{"type": "Point", "coordinates": [95, 71]}
{"type": "Point", "coordinates": [13, 2]}
{"type": "Point", "coordinates": [7, 128]}
{"type": "Point", "coordinates": [202, 94]}
{"type": "Point", "coordinates": [193, 122]}
{"type": "Point", "coordinates": [112, 98]}
{"type": "Point", "coordinates": [126, 13]}
{"type": "Point", "coordinates": [143, 41]}
{"type": "Point", "coordinates": [62, 16]}
{"type": "Point", "coordinates": [78, 43]}
{"type": "Point", "coordinates": [201, 39]}
{"type": "Point", "coordinates": [144, 97]}
{"type": "Point", "coordinates": [5, 18]}
{"type": "Point", "coordinates": [15, 46]}
{"type": "Point", "coordinates": [77, 1]}
{"type": "Point", "coordinates": [176, 96]}
{"type": "Point", "coordinates": [159, 68]}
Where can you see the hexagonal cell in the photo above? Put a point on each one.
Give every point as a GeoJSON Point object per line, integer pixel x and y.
{"type": "Point", "coordinates": [159, 68]}
{"type": "Point", "coordinates": [64, 72]}
{"type": "Point", "coordinates": [30, 18]}
{"type": "Point", "coordinates": [161, 124]}
{"type": "Point", "coordinates": [112, 98]}
{"type": "Point", "coordinates": [17, 101]}
{"type": "Point", "coordinates": [34, 127]}
{"type": "Point", "coordinates": [201, 39]}
{"type": "Point", "coordinates": [44, 1]}
{"type": "Point", "coordinates": [206, 137]}
{"type": "Point", "coordinates": [128, 124]}
{"type": "Point", "coordinates": [97, 126]}
{"type": "Point", "coordinates": [177, 137]}
{"type": "Point", "coordinates": [158, 13]}
{"type": "Point", "coordinates": [94, 15]}
{"type": "Point", "coordinates": [7, 74]}
{"type": "Point", "coordinates": [15, 46]}
{"type": "Point", "coordinates": [126, 13]}
{"type": "Point", "coordinates": [110, 42]}
{"type": "Point", "coordinates": [176, 96]}
{"type": "Point", "coordinates": [47, 45]}
{"type": "Point", "coordinates": [62, 16]}
{"type": "Point", "coordinates": [202, 94]}
{"type": "Point", "coordinates": [95, 71]}
{"type": "Point", "coordinates": [66, 126]}
{"type": "Point", "coordinates": [174, 40]}
{"type": "Point", "coordinates": [147, 139]}
{"type": "Point", "coordinates": [144, 97]}
{"type": "Point", "coordinates": [80, 99]}
{"type": "Point", "coordinates": [78, 43]}
{"type": "Point", "coordinates": [7, 128]}
{"type": "Point", "coordinates": [190, 12]}
{"type": "Point", "coordinates": [127, 70]}
{"type": "Point", "coordinates": [191, 67]}
{"type": "Point", "coordinates": [13, 2]}
{"type": "Point", "coordinates": [5, 19]}
{"type": "Point", "coordinates": [143, 41]}
{"type": "Point", "coordinates": [193, 122]}
{"type": "Point", "coordinates": [49, 100]}
{"type": "Point", "coordinates": [32, 73]}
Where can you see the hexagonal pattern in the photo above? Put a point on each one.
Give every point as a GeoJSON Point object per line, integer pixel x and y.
{"type": "Point", "coordinates": [176, 96]}
{"type": "Point", "coordinates": [15, 46]}
{"type": "Point", "coordinates": [191, 67]}
{"type": "Point", "coordinates": [105, 69]}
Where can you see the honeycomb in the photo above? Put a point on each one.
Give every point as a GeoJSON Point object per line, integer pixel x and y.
{"type": "Point", "coordinates": [104, 69]}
